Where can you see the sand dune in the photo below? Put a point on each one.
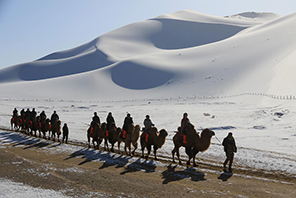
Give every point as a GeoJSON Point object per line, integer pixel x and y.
{"type": "Point", "coordinates": [183, 53]}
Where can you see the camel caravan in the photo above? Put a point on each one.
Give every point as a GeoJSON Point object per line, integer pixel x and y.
{"type": "Point", "coordinates": [29, 123]}
{"type": "Point", "coordinates": [129, 134]}
{"type": "Point", "coordinates": [109, 133]}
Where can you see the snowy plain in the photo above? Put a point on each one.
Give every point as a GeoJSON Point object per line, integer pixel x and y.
{"type": "Point", "coordinates": [234, 73]}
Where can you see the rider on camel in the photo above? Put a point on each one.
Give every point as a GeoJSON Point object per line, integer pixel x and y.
{"type": "Point", "coordinates": [15, 113]}
{"type": "Point", "coordinates": [148, 124]}
{"type": "Point", "coordinates": [95, 119]}
{"type": "Point", "coordinates": [184, 123]}
{"type": "Point", "coordinates": [127, 120]}
{"type": "Point", "coordinates": [54, 117]}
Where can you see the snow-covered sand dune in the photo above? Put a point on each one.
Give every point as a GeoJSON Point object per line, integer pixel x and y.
{"type": "Point", "coordinates": [185, 53]}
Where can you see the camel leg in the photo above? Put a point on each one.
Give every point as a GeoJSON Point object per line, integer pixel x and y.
{"type": "Point", "coordinates": [106, 144]}
{"type": "Point", "coordinates": [125, 150]}
{"type": "Point", "coordinates": [88, 139]}
{"type": "Point", "coordinates": [195, 151]}
{"type": "Point", "coordinates": [129, 148]}
{"type": "Point", "coordinates": [142, 148]}
{"type": "Point", "coordinates": [155, 149]}
{"type": "Point", "coordinates": [176, 150]}
{"type": "Point", "coordinates": [188, 151]}
{"type": "Point", "coordinates": [178, 155]}
{"type": "Point", "coordinates": [119, 147]}
{"type": "Point", "coordinates": [135, 148]}
{"type": "Point", "coordinates": [112, 148]}
{"type": "Point", "coordinates": [148, 152]}
{"type": "Point", "coordinates": [173, 154]}
{"type": "Point", "coordinates": [93, 141]}
{"type": "Point", "coordinates": [53, 136]}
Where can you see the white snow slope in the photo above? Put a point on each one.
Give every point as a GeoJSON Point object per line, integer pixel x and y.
{"type": "Point", "coordinates": [185, 53]}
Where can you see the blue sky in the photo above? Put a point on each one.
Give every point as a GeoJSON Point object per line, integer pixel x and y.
{"type": "Point", "coordinates": [31, 29]}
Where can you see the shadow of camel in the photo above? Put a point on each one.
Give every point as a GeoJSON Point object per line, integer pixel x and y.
{"type": "Point", "coordinates": [147, 166]}
{"type": "Point", "coordinates": [171, 174]}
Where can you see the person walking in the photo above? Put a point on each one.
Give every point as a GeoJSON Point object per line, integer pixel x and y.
{"type": "Point", "coordinates": [65, 133]}
{"type": "Point", "coordinates": [230, 149]}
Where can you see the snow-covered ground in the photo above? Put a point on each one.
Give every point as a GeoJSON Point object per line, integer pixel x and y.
{"type": "Point", "coordinates": [233, 73]}
{"type": "Point", "coordinates": [10, 189]}
{"type": "Point", "coordinates": [264, 140]}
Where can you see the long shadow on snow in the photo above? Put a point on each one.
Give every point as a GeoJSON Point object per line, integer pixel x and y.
{"type": "Point", "coordinates": [171, 174]}
{"type": "Point", "coordinates": [111, 159]}
{"type": "Point", "coordinates": [108, 158]}
{"type": "Point", "coordinates": [147, 166]}
{"type": "Point", "coordinates": [22, 140]}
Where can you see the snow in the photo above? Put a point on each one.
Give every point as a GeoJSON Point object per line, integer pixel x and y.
{"type": "Point", "coordinates": [13, 189]}
{"type": "Point", "coordinates": [232, 73]}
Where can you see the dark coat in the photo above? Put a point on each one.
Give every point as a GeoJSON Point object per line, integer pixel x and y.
{"type": "Point", "coordinates": [96, 119]}
{"type": "Point", "coordinates": [109, 120]}
{"type": "Point", "coordinates": [65, 130]}
{"type": "Point", "coordinates": [54, 117]}
{"type": "Point", "coordinates": [229, 144]}
{"type": "Point", "coordinates": [127, 121]}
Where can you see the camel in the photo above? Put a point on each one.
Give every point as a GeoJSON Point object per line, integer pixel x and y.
{"type": "Point", "coordinates": [44, 127]}
{"type": "Point", "coordinates": [156, 139]}
{"type": "Point", "coordinates": [132, 136]}
{"type": "Point", "coordinates": [93, 132]}
{"type": "Point", "coordinates": [25, 124]}
{"type": "Point", "coordinates": [33, 126]}
{"type": "Point", "coordinates": [22, 123]}
{"type": "Point", "coordinates": [113, 134]}
{"type": "Point", "coordinates": [15, 123]}
{"type": "Point", "coordinates": [195, 143]}
{"type": "Point", "coordinates": [56, 129]}
{"type": "Point", "coordinates": [103, 136]}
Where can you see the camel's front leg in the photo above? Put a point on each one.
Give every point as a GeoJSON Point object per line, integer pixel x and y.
{"type": "Point", "coordinates": [195, 151]}
{"type": "Point", "coordinates": [173, 154]}
{"type": "Point", "coordinates": [106, 144]}
{"type": "Point", "coordinates": [143, 148]}
{"type": "Point", "coordinates": [189, 152]}
{"type": "Point", "coordinates": [155, 149]}
{"type": "Point", "coordinates": [135, 148]}
{"type": "Point", "coordinates": [148, 152]}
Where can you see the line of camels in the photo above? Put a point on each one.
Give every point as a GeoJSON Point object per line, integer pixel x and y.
{"type": "Point", "coordinates": [195, 142]}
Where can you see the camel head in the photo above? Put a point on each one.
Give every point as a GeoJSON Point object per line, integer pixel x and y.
{"type": "Point", "coordinates": [207, 133]}
{"type": "Point", "coordinates": [137, 128]}
{"type": "Point", "coordinates": [163, 133]}
{"type": "Point", "coordinates": [205, 140]}
{"type": "Point", "coordinates": [104, 124]}
{"type": "Point", "coordinates": [118, 129]}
